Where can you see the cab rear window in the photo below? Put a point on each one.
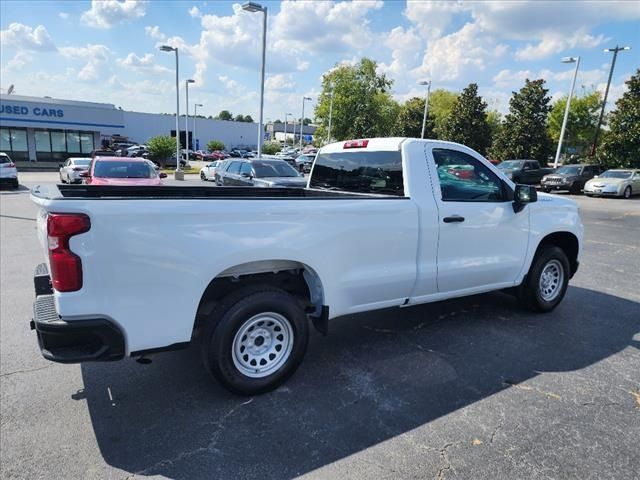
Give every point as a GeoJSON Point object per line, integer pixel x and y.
{"type": "Point", "coordinates": [359, 171]}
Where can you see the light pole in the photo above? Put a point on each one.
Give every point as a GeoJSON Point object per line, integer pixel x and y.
{"type": "Point", "coordinates": [575, 60]}
{"type": "Point", "coordinates": [285, 128]}
{"type": "Point", "coordinates": [195, 122]}
{"type": "Point", "coordinates": [186, 118]}
{"type": "Point", "coordinates": [178, 175]}
{"type": "Point", "coordinates": [331, 85]}
{"type": "Point", "coordinates": [606, 93]}
{"type": "Point", "coordinates": [426, 105]}
{"type": "Point", "coordinates": [255, 7]}
{"type": "Point", "coordinates": [302, 120]}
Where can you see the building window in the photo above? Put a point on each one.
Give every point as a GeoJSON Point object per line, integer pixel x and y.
{"type": "Point", "coordinates": [58, 143]}
{"type": "Point", "coordinates": [5, 139]}
{"type": "Point", "coordinates": [73, 142]}
{"type": "Point", "coordinates": [86, 141]}
{"type": "Point", "coordinates": [43, 141]}
{"type": "Point", "coordinates": [19, 141]}
{"type": "Point", "coordinates": [14, 140]}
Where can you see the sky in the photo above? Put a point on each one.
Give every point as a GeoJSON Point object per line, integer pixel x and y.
{"type": "Point", "coordinates": [107, 51]}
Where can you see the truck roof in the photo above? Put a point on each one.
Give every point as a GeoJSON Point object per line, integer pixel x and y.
{"type": "Point", "coordinates": [378, 144]}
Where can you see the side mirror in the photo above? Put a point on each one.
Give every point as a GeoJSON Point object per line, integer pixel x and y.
{"type": "Point", "coordinates": [85, 174]}
{"type": "Point", "coordinates": [522, 195]}
{"type": "Point", "coordinates": [246, 175]}
{"type": "Point", "coordinates": [596, 176]}
{"type": "Point", "coordinates": [163, 175]}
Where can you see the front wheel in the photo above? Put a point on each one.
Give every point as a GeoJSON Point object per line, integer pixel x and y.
{"type": "Point", "coordinates": [203, 177]}
{"type": "Point", "coordinates": [546, 283]}
{"type": "Point", "coordinates": [255, 340]}
{"type": "Point", "coordinates": [627, 193]}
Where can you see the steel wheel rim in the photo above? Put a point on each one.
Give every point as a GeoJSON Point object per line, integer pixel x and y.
{"type": "Point", "coordinates": [262, 344]}
{"type": "Point", "coordinates": [551, 280]}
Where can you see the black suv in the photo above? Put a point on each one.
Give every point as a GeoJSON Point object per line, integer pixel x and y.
{"type": "Point", "coordinates": [570, 177]}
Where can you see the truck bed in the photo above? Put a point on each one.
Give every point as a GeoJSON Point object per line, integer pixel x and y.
{"type": "Point", "coordinates": [63, 191]}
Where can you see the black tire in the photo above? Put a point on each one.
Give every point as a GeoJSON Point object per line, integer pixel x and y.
{"type": "Point", "coordinates": [15, 184]}
{"type": "Point", "coordinates": [62, 179]}
{"type": "Point", "coordinates": [233, 314]}
{"type": "Point", "coordinates": [530, 293]}
{"type": "Point", "coordinates": [575, 189]}
{"type": "Point", "coordinates": [627, 193]}
{"type": "Point", "coordinates": [546, 190]}
{"type": "Point", "coordinates": [202, 177]}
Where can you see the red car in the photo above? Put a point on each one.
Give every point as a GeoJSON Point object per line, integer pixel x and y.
{"type": "Point", "coordinates": [118, 171]}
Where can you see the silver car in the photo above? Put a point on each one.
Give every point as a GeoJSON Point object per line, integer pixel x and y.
{"type": "Point", "coordinates": [617, 183]}
{"type": "Point", "coordinates": [71, 169]}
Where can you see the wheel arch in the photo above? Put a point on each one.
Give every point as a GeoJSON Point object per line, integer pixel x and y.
{"type": "Point", "coordinates": [568, 242]}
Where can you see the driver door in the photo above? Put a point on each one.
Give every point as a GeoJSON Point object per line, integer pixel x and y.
{"type": "Point", "coordinates": [482, 241]}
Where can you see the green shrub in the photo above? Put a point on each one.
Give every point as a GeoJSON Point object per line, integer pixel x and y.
{"type": "Point", "coordinates": [161, 148]}
{"type": "Point", "coordinates": [215, 145]}
{"type": "Point", "coordinates": [270, 148]}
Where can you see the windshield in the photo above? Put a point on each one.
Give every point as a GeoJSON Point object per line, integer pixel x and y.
{"type": "Point", "coordinates": [569, 170]}
{"type": "Point", "coordinates": [124, 169]}
{"type": "Point", "coordinates": [274, 169]}
{"type": "Point", "coordinates": [81, 162]}
{"type": "Point", "coordinates": [511, 164]}
{"type": "Point", "coordinates": [359, 171]}
{"type": "Point", "coordinates": [5, 159]}
{"type": "Point", "coordinates": [616, 174]}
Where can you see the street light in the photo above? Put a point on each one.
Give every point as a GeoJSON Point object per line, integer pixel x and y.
{"type": "Point", "coordinates": [253, 8]}
{"type": "Point", "coordinates": [285, 129]}
{"type": "Point", "coordinates": [302, 120]}
{"type": "Point", "coordinates": [426, 105]}
{"type": "Point", "coordinates": [606, 93]}
{"type": "Point", "coordinates": [195, 122]}
{"type": "Point", "coordinates": [332, 87]}
{"type": "Point", "coordinates": [178, 175]}
{"type": "Point", "coordinates": [186, 119]}
{"type": "Point", "coordinates": [575, 60]}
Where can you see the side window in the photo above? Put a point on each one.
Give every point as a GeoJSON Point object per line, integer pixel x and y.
{"type": "Point", "coordinates": [465, 179]}
{"type": "Point", "coordinates": [246, 168]}
{"type": "Point", "coordinates": [587, 172]}
{"type": "Point", "coordinates": [234, 168]}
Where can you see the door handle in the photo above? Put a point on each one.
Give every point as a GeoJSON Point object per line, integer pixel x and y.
{"type": "Point", "coordinates": [453, 219]}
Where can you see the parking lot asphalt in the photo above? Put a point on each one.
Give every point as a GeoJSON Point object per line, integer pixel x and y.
{"type": "Point", "coordinates": [468, 388]}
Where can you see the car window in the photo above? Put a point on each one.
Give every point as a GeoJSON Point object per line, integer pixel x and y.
{"type": "Point", "coordinates": [464, 178]}
{"type": "Point", "coordinates": [234, 167]}
{"type": "Point", "coordinates": [586, 171]}
{"type": "Point", "coordinates": [274, 169]}
{"type": "Point", "coordinates": [359, 171]}
{"type": "Point", "coordinates": [245, 168]}
{"type": "Point", "coordinates": [114, 169]}
{"type": "Point", "coordinates": [5, 159]}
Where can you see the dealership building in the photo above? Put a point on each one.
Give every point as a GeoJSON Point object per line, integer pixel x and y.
{"type": "Point", "coordinates": [50, 130]}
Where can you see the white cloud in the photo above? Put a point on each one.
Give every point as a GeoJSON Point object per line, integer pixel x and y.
{"type": "Point", "coordinates": [155, 33]}
{"type": "Point", "coordinates": [18, 62]}
{"type": "Point", "coordinates": [146, 63]}
{"type": "Point", "coordinates": [63, 15]}
{"type": "Point", "coordinates": [279, 82]}
{"type": "Point", "coordinates": [556, 42]}
{"type": "Point", "coordinates": [144, 87]}
{"type": "Point", "coordinates": [432, 18]}
{"type": "Point", "coordinates": [95, 55]}
{"type": "Point", "coordinates": [195, 12]}
{"type": "Point", "coordinates": [302, 65]}
{"type": "Point", "coordinates": [24, 37]}
{"type": "Point", "coordinates": [465, 52]}
{"type": "Point", "coordinates": [107, 13]}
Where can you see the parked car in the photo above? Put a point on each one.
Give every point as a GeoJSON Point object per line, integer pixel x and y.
{"type": "Point", "coordinates": [8, 171]}
{"type": "Point", "coordinates": [616, 182]}
{"type": "Point", "coordinates": [171, 162]}
{"type": "Point", "coordinates": [102, 152]}
{"type": "Point", "coordinates": [304, 162]}
{"type": "Point", "coordinates": [528, 172]}
{"type": "Point", "coordinates": [208, 172]}
{"type": "Point", "coordinates": [136, 151]}
{"type": "Point", "coordinates": [570, 177]}
{"type": "Point", "coordinates": [279, 259]}
{"type": "Point", "coordinates": [118, 171]}
{"type": "Point", "coordinates": [71, 169]}
{"type": "Point", "coordinates": [203, 155]}
{"type": "Point", "coordinates": [236, 153]}
{"type": "Point", "coordinates": [260, 173]}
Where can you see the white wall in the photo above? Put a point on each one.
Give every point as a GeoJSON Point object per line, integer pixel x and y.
{"type": "Point", "coordinates": [140, 127]}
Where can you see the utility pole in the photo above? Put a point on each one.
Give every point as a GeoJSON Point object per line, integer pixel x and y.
{"type": "Point", "coordinates": [606, 93]}
{"type": "Point", "coordinates": [575, 60]}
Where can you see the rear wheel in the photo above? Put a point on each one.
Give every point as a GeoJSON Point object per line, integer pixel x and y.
{"type": "Point", "coordinates": [546, 283]}
{"type": "Point", "coordinates": [574, 189]}
{"type": "Point", "coordinates": [627, 193]}
{"type": "Point", "coordinates": [15, 184]}
{"type": "Point", "coordinates": [203, 177]}
{"type": "Point", "coordinates": [255, 339]}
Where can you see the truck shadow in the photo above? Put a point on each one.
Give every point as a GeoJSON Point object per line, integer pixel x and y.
{"type": "Point", "coordinates": [374, 377]}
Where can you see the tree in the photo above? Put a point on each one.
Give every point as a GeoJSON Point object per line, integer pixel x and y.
{"type": "Point", "coordinates": [524, 131]}
{"type": "Point", "coordinates": [306, 121]}
{"type": "Point", "coordinates": [225, 115]}
{"type": "Point", "coordinates": [408, 123]}
{"type": "Point", "coordinates": [362, 104]}
{"type": "Point", "coordinates": [467, 123]}
{"type": "Point", "coordinates": [440, 105]}
{"type": "Point", "coordinates": [239, 118]}
{"type": "Point", "coordinates": [215, 145]}
{"type": "Point", "coordinates": [621, 145]}
{"type": "Point", "coordinates": [248, 119]}
{"type": "Point", "coordinates": [581, 123]}
{"type": "Point", "coordinates": [161, 148]}
{"type": "Point", "coordinates": [270, 148]}
{"type": "Point", "coordinates": [277, 120]}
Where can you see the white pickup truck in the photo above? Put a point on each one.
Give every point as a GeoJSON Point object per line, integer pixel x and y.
{"type": "Point", "coordinates": [388, 222]}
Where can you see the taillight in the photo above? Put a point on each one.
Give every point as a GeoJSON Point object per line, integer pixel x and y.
{"type": "Point", "coordinates": [356, 144]}
{"type": "Point", "coordinates": [11, 165]}
{"type": "Point", "coordinates": [66, 266]}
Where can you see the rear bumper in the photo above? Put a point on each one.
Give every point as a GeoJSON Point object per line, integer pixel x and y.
{"type": "Point", "coordinates": [12, 180]}
{"type": "Point", "coordinates": [87, 340]}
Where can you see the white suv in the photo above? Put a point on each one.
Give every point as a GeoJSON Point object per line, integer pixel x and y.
{"type": "Point", "coordinates": [8, 170]}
